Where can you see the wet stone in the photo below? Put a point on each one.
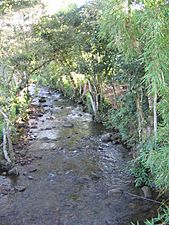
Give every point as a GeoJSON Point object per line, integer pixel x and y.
{"type": "Point", "coordinates": [45, 139]}
{"type": "Point", "coordinates": [40, 114]}
{"type": "Point", "coordinates": [32, 170]}
{"type": "Point", "coordinates": [42, 100]}
{"type": "Point", "coordinates": [4, 173]}
{"type": "Point", "coordinates": [50, 118]}
{"type": "Point", "coordinates": [68, 125]}
{"type": "Point", "coordinates": [25, 173]}
{"type": "Point", "coordinates": [33, 127]}
{"type": "Point", "coordinates": [114, 192]}
{"type": "Point", "coordinates": [13, 172]}
{"type": "Point", "coordinates": [38, 157]}
{"type": "Point", "coordinates": [48, 128]}
{"type": "Point", "coordinates": [20, 188]}
{"type": "Point", "coordinates": [4, 192]}
{"type": "Point", "coordinates": [106, 138]}
{"type": "Point", "coordinates": [5, 166]}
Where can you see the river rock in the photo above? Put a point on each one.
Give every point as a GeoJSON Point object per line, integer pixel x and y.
{"type": "Point", "coordinates": [48, 128]}
{"type": "Point", "coordinates": [68, 125]}
{"type": "Point", "coordinates": [106, 137]}
{"type": "Point", "coordinates": [50, 118]}
{"type": "Point", "coordinates": [33, 127]}
{"type": "Point", "coordinates": [13, 172]}
{"type": "Point", "coordinates": [32, 170]}
{"type": "Point", "coordinates": [42, 100]}
{"type": "Point", "coordinates": [4, 173]}
{"type": "Point", "coordinates": [147, 192]}
{"type": "Point", "coordinates": [114, 192]}
{"type": "Point", "coordinates": [25, 173]}
{"type": "Point", "coordinates": [40, 114]}
{"type": "Point", "coordinates": [20, 188]}
{"type": "Point", "coordinates": [5, 166]}
{"type": "Point", "coordinates": [30, 177]}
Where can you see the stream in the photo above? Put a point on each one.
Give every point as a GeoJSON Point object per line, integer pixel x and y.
{"type": "Point", "coordinates": [68, 175]}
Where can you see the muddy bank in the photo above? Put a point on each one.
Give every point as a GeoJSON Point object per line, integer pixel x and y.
{"type": "Point", "coordinates": [68, 174]}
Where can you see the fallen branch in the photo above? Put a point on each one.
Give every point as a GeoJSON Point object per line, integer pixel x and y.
{"type": "Point", "coordinates": [143, 198]}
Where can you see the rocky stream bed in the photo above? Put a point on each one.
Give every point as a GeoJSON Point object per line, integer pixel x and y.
{"type": "Point", "coordinates": [68, 173]}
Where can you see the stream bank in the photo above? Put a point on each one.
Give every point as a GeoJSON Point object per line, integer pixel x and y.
{"type": "Point", "coordinates": [68, 175]}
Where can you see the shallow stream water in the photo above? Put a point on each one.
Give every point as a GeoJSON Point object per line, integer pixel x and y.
{"type": "Point", "coordinates": [74, 178]}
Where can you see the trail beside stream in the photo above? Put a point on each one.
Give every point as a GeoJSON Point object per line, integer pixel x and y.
{"type": "Point", "coordinates": [68, 176]}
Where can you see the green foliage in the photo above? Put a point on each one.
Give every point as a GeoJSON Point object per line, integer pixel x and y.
{"type": "Point", "coordinates": [7, 5]}
{"type": "Point", "coordinates": [124, 120]}
{"type": "Point", "coordinates": [140, 170]}
{"type": "Point", "coordinates": [158, 162]}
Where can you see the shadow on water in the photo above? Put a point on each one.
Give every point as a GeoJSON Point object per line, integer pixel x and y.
{"type": "Point", "coordinates": [78, 180]}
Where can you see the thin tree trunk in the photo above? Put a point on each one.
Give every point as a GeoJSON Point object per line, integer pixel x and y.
{"type": "Point", "coordinates": [155, 116]}
{"type": "Point", "coordinates": [92, 98]}
{"type": "Point", "coordinates": [139, 117]}
{"type": "Point", "coordinates": [150, 118]}
{"type": "Point", "coordinates": [5, 145]}
{"type": "Point", "coordinates": [6, 137]}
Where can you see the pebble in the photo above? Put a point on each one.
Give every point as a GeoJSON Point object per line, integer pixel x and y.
{"type": "Point", "coordinates": [68, 125]}
{"type": "Point", "coordinates": [22, 163]}
{"type": "Point", "coordinates": [32, 170]}
{"type": "Point", "coordinates": [13, 172]}
{"type": "Point", "coordinates": [38, 157]}
{"type": "Point", "coordinates": [4, 192]}
{"type": "Point", "coordinates": [33, 127]}
{"type": "Point", "coordinates": [4, 173]}
{"type": "Point", "coordinates": [20, 188]}
{"type": "Point", "coordinates": [114, 192]}
{"type": "Point", "coordinates": [50, 118]}
{"type": "Point", "coordinates": [106, 138]}
{"type": "Point", "coordinates": [30, 177]}
{"type": "Point", "coordinates": [48, 128]}
{"type": "Point", "coordinates": [42, 100]}
{"type": "Point", "coordinates": [39, 114]}
{"type": "Point", "coordinates": [25, 173]}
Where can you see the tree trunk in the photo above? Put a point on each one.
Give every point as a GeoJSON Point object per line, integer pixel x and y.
{"type": "Point", "coordinates": [155, 116]}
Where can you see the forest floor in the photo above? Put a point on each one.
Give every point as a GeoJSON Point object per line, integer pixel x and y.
{"type": "Point", "coordinates": [69, 173]}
